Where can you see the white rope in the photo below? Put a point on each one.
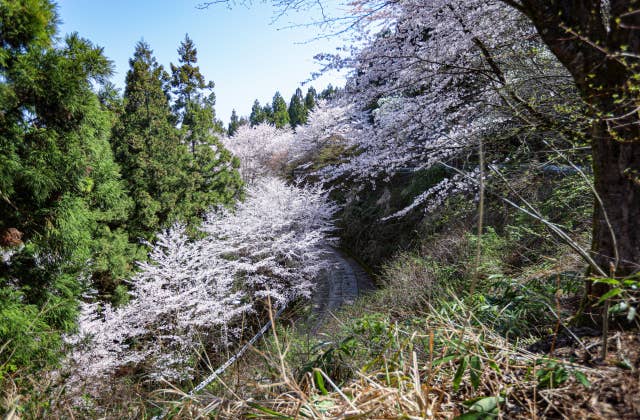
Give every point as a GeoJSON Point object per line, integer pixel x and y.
{"type": "Point", "coordinates": [228, 363]}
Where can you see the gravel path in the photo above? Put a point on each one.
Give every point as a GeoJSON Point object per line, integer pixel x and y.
{"type": "Point", "coordinates": [338, 286]}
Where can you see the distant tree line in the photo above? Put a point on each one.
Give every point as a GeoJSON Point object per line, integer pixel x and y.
{"type": "Point", "coordinates": [277, 113]}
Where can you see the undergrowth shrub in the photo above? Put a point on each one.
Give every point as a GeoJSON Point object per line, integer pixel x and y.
{"type": "Point", "coordinates": [518, 309]}
{"type": "Point", "coordinates": [438, 362]}
{"type": "Point", "coordinates": [26, 339]}
{"type": "Point", "coordinates": [409, 282]}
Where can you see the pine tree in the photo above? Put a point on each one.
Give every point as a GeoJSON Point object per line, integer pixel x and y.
{"type": "Point", "coordinates": [257, 114]}
{"type": "Point", "coordinates": [148, 147]}
{"type": "Point", "coordinates": [297, 111]}
{"type": "Point", "coordinates": [186, 80]}
{"type": "Point", "coordinates": [61, 196]}
{"type": "Point", "coordinates": [214, 170]}
{"type": "Point", "coordinates": [234, 123]}
{"type": "Point", "coordinates": [279, 111]}
{"type": "Point", "coordinates": [267, 110]}
{"type": "Point", "coordinates": [310, 99]}
{"type": "Point", "coordinates": [189, 86]}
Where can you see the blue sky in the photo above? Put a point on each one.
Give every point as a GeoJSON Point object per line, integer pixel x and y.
{"type": "Point", "coordinates": [240, 49]}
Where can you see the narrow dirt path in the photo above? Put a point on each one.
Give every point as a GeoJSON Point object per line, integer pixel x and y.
{"type": "Point", "coordinates": [338, 286]}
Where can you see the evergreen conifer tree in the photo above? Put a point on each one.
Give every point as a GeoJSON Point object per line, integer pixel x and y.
{"type": "Point", "coordinates": [310, 99]}
{"type": "Point", "coordinates": [279, 111]}
{"type": "Point", "coordinates": [328, 93]}
{"type": "Point", "coordinates": [234, 123]}
{"type": "Point", "coordinates": [61, 196]}
{"type": "Point", "coordinates": [257, 114]}
{"type": "Point", "coordinates": [267, 110]}
{"type": "Point", "coordinates": [189, 86]}
{"type": "Point", "coordinates": [297, 111]}
{"type": "Point", "coordinates": [147, 146]}
{"type": "Point", "coordinates": [213, 170]}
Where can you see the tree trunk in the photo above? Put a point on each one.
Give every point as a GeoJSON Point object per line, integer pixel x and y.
{"type": "Point", "coordinates": [588, 37]}
{"type": "Point", "coordinates": [615, 149]}
{"type": "Point", "coordinates": [616, 165]}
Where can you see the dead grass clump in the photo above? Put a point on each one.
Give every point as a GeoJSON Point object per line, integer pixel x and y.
{"type": "Point", "coordinates": [444, 366]}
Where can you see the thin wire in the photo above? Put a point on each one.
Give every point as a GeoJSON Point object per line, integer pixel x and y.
{"type": "Point", "coordinates": [224, 367]}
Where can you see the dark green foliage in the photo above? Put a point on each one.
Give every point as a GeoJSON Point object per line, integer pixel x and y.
{"type": "Point", "coordinates": [332, 358]}
{"type": "Point", "coordinates": [267, 111]}
{"type": "Point", "coordinates": [25, 24]}
{"type": "Point", "coordinates": [329, 92]}
{"type": "Point", "coordinates": [147, 146]}
{"type": "Point", "coordinates": [297, 111]}
{"type": "Point", "coordinates": [186, 80]}
{"type": "Point", "coordinates": [235, 123]}
{"type": "Point", "coordinates": [310, 99]}
{"type": "Point", "coordinates": [213, 170]}
{"type": "Point", "coordinates": [550, 373]}
{"type": "Point", "coordinates": [173, 174]}
{"type": "Point", "coordinates": [59, 185]}
{"type": "Point", "coordinates": [30, 339]}
{"type": "Point", "coordinates": [280, 114]}
{"type": "Point", "coordinates": [257, 114]}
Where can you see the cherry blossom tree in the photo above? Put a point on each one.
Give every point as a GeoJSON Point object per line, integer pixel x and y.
{"type": "Point", "coordinates": [327, 124]}
{"type": "Point", "coordinates": [595, 43]}
{"type": "Point", "coordinates": [262, 149]}
{"type": "Point", "coordinates": [435, 80]}
{"type": "Point", "coordinates": [191, 294]}
{"type": "Point", "coordinates": [277, 237]}
{"type": "Point", "coordinates": [181, 300]}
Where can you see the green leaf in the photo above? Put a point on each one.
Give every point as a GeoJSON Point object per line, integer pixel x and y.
{"type": "Point", "coordinates": [459, 372]}
{"type": "Point", "coordinates": [266, 411]}
{"type": "Point", "coordinates": [475, 372]}
{"type": "Point", "coordinates": [602, 280]}
{"type": "Point", "coordinates": [493, 365]}
{"type": "Point", "coordinates": [611, 293]}
{"type": "Point", "coordinates": [582, 378]}
{"type": "Point", "coordinates": [320, 382]}
{"type": "Point", "coordinates": [481, 408]}
{"type": "Point", "coordinates": [445, 359]}
{"type": "Point", "coordinates": [486, 405]}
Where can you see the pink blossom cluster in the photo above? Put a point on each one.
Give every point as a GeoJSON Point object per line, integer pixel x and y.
{"type": "Point", "coordinates": [431, 80]}
{"type": "Point", "coordinates": [263, 150]}
{"type": "Point", "coordinates": [191, 294]}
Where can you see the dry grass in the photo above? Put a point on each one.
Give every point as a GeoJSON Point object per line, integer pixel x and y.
{"type": "Point", "coordinates": [410, 370]}
{"type": "Point", "coordinates": [416, 376]}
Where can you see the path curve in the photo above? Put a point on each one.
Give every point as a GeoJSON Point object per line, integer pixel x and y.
{"type": "Point", "coordinates": [339, 285]}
